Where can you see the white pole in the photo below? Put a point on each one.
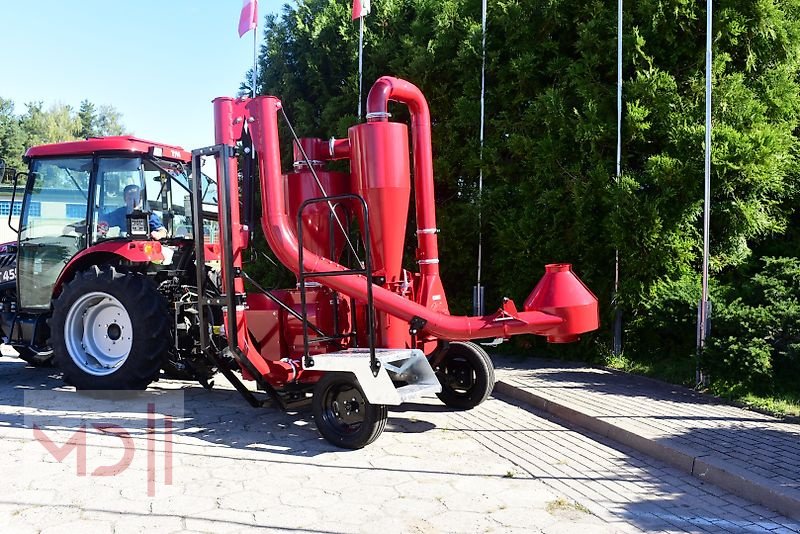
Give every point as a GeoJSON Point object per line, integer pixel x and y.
{"type": "Point", "coordinates": [704, 307]}
{"type": "Point", "coordinates": [617, 349]}
{"type": "Point", "coordinates": [255, 60]}
{"type": "Point", "coordinates": [360, 60]}
{"type": "Point", "coordinates": [478, 296]}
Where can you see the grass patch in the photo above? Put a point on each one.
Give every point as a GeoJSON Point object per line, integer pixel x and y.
{"type": "Point", "coordinates": [673, 370]}
{"type": "Point", "coordinates": [775, 405]}
{"type": "Point", "coordinates": [561, 505]}
{"type": "Point", "coordinates": [781, 404]}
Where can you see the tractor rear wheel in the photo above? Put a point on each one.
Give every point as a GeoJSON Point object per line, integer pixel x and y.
{"type": "Point", "coordinates": [342, 413]}
{"type": "Point", "coordinates": [466, 374]}
{"type": "Point", "coordinates": [110, 330]}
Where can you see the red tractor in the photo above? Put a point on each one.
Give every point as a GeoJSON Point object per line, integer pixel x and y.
{"type": "Point", "coordinates": [118, 288]}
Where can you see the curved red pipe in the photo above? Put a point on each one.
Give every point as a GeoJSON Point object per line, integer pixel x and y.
{"type": "Point", "coordinates": [388, 88]}
{"type": "Point", "coordinates": [282, 240]}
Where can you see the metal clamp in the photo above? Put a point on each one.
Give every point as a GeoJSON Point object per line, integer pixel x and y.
{"type": "Point", "coordinates": [423, 231]}
{"type": "Point", "coordinates": [430, 261]}
{"type": "Point", "coordinates": [416, 324]}
{"type": "Point", "coordinates": [378, 115]}
{"type": "Point", "coordinates": [303, 163]}
{"type": "Point", "coordinates": [293, 366]}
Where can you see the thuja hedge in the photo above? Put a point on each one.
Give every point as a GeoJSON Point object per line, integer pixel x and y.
{"type": "Point", "coordinates": [550, 189]}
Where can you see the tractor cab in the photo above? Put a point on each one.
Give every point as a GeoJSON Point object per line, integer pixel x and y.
{"type": "Point", "coordinates": [114, 200]}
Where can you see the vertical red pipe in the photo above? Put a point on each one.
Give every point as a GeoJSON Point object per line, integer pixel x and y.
{"type": "Point", "coordinates": [275, 222]}
{"type": "Point", "coordinates": [228, 124]}
{"type": "Point", "coordinates": [227, 130]}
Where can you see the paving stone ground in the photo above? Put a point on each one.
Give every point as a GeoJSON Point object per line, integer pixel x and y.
{"type": "Point", "coordinates": [616, 483]}
{"type": "Point", "coordinates": [497, 468]}
{"type": "Point", "coordinates": [755, 456]}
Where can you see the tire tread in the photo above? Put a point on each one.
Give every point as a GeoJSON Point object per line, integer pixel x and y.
{"type": "Point", "coordinates": [139, 296]}
{"type": "Point", "coordinates": [485, 378]}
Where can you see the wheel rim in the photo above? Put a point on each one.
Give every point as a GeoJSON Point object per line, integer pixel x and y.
{"type": "Point", "coordinates": [457, 375]}
{"type": "Point", "coordinates": [344, 408]}
{"type": "Point", "coordinates": [98, 333]}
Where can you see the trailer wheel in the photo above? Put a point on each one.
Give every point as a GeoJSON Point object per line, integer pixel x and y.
{"type": "Point", "coordinates": [342, 413]}
{"type": "Point", "coordinates": [110, 330]}
{"type": "Point", "coordinates": [466, 374]}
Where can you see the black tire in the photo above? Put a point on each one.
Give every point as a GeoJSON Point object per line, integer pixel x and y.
{"type": "Point", "coordinates": [466, 374]}
{"type": "Point", "coordinates": [35, 358]}
{"type": "Point", "coordinates": [100, 295]}
{"type": "Point", "coordinates": [353, 426]}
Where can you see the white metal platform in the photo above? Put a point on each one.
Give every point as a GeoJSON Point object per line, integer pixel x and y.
{"type": "Point", "coordinates": [407, 367]}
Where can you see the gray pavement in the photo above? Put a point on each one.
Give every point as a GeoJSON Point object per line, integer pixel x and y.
{"type": "Point", "coordinates": [754, 456]}
{"type": "Point", "coordinates": [502, 467]}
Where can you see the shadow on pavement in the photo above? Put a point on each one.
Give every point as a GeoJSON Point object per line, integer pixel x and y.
{"type": "Point", "coordinates": [218, 417]}
{"type": "Point", "coordinates": [564, 375]}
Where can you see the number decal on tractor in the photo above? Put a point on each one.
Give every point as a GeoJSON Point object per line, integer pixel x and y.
{"type": "Point", "coordinates": [9, 275]}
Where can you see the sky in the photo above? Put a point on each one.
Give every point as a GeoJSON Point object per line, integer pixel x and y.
{"type": "Point", "coordinates": [158, 62]}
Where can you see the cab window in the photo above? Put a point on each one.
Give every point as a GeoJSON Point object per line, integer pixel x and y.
{"type": "Point", "coordinates": [119, 190]}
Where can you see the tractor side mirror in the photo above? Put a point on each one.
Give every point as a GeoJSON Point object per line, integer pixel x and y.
{"type": "Point", "coordinates": [7, 173]}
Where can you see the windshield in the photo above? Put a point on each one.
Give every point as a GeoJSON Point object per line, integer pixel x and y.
{"type": "Point", "coordinates": [53, 225]}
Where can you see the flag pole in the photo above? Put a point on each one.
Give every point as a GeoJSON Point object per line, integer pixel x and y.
{"type": "Point", "coordinates": [617, 341]}
{"type": "Point", "coordinates": [360, 60]}
{"type": "Point", "coordinates": [477, 295]}
{"type": "Point", "coordinates": [255, 61]}
{"type": "Point", "coordinates": [704, 308]}
{"type": "Point", "coordinates": [248, 20]}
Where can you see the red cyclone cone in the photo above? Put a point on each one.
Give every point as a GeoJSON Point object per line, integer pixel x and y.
{"type": "Point", "coordinates": [561, 293]}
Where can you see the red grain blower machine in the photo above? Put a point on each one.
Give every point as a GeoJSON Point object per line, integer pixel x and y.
{"type": "Point", "coordinates": [370, 334]}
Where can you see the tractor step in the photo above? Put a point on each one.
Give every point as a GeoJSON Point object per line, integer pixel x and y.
{"type": "Point", "coordinates": [404, 374]}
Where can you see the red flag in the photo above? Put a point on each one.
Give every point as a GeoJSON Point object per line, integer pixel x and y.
{"type": "Point", "coordinates": [361, 8]}
{"type": "Point", "coordinates": [249, 17]}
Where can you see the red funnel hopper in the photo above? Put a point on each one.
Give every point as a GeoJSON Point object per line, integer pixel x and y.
{"type": "Point", "coordinates": [561, 293]}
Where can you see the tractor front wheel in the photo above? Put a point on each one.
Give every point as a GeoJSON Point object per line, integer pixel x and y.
{"type": "Point", "coordinates": [110, 330]}
{"type": "Point", "coordinates": [466, 374]}
{"type": "Point", "coordinates": [342, 413]}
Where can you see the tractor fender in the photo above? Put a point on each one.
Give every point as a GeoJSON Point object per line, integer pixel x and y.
{"type": "Point", "coordinates": [110, 252]}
